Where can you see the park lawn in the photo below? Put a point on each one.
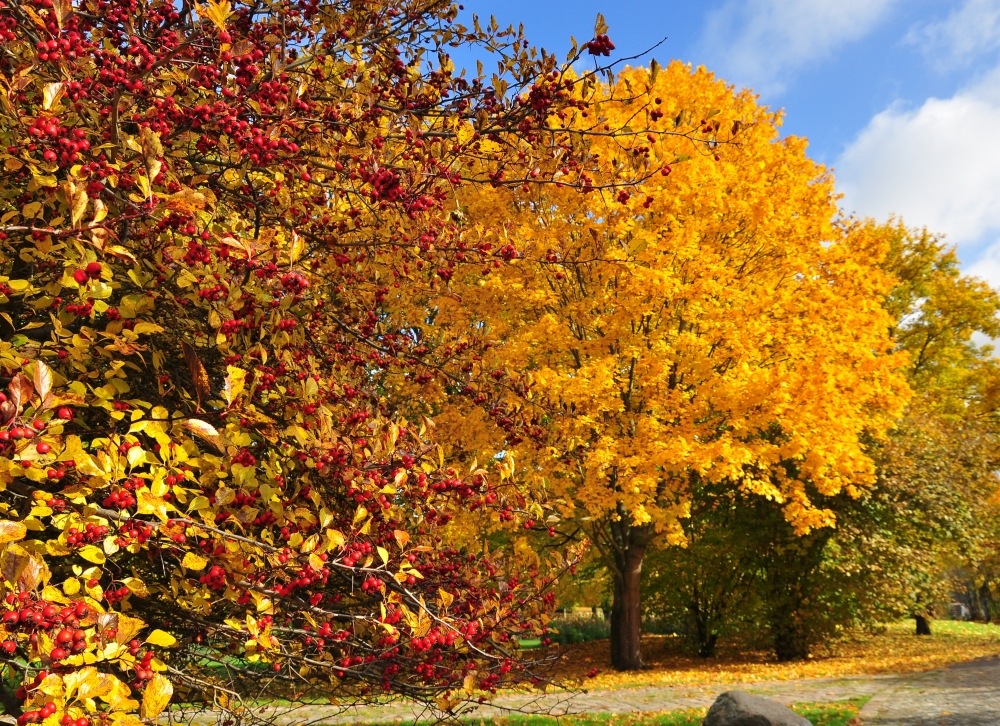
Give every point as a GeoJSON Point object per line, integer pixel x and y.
{"type": "Point", "coordinates": [897, 650]}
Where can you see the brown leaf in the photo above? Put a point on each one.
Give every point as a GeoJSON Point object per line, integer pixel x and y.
{"type": "Point", "coordinates": [62, 9]}
{"type": "Point", "coordinates": [20, 391]}
{"type": "Point", "coordinates": [186, 200]}
{"type": "Point", "coordinates": [198, 373]}
{"type": "Point", "coordinates": [12, 563]}
{"type": "Point", "coordinates": [43, 380]}
{"type": "Point", "coordinates": [33, 574]}
{"type": "Point", "coordinates": [7, 412]}
{"type": "Point", "coordinates": [205, 431]}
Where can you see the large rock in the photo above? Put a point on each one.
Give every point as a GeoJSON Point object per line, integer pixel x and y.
{"type": "Point", "coordinates": [735, 708]}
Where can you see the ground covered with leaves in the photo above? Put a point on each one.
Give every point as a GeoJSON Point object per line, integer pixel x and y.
{"type": "Point", "coordinates": [896, 650]}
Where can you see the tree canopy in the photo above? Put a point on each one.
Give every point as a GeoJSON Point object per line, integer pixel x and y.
{"type": "Point", "coordinates": [711, 324]}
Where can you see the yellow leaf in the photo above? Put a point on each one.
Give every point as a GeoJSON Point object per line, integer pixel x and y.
{"type": "Point", "coordinates": [298, 246]}
{"type": "Point", "coordinates": [12, 531]}
{"type": "Point", "coordinates": [150, 504]}
{"type": "Point", "coordinates": [127, 627]}
{"type": "Point", "coordinates": [100, 211]}
{"type": "Point", "coordinates": [51, 94]}
{"type": "Point", "coordinates": [161, 638]}
{"type": "Point", "coordinates": [194, 562]}
{"type": "Point", "coordinates": [234, 384]}
{"type": "Point", "coordinates": [186, 200]}
{"type": "Point", "coordinates": [93, 554]}
{"type": "Point", "coordinates": [217, 12]}
{"type": "Point", "coordinates": [156, 696]}
{"type": "Point", "coordinates": [79, 206]}
{"type": "Point", "coordinates": [335, 538]}
{"type": "Point", "coordinates": [446, 597]}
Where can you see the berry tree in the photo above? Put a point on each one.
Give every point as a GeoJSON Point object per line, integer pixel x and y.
{"type": "Point", "coordinates": [213, 220]}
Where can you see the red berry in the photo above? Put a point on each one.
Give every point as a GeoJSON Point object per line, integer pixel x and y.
{"type": "Point", "coordinates": [42, 447]}
{"type": "Point", "coordinates": [65, 413]}
{"type": "Point", "coordinates": [80, 276]}
{"type": "Point", "coordinates": [94, 269]}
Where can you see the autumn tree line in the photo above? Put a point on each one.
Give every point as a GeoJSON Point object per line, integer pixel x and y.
{"type": "Point", "coordinates": [324, 362]}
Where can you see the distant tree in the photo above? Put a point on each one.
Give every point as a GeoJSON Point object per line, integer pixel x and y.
{"type": "Point", "coordinates": [933, 506]}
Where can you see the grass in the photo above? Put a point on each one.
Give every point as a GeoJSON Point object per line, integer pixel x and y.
{"type": "Point", "coordinates": [897, 650]}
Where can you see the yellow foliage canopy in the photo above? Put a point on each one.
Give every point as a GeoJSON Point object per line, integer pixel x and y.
{"type": "Point", "coordinates": [714, 323]}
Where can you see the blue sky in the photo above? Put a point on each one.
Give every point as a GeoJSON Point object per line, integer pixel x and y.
{"type": "Point", "coordinates": [900, 97]}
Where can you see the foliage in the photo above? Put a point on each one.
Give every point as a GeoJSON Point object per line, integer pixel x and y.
{"type": "Point", "coordinates": [934, 504]}
{"type": "Point", "coordinates": [710, 326]}
{"type": "Point", "coordinates": [218, 223]}
{"type": "Point", "coordinates": [579, 630]}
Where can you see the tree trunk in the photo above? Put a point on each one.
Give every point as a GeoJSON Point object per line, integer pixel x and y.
{"type": "Point", "coordinates": [705, 639]}
{"type": "Point", "coordinates": [923, 625]}
{"type": "Point", "coordinates": [626, 605]}
{"type": "Point", "coordinates": [986, 602]}
{"type": "Point", "coordinates": [790, 640]}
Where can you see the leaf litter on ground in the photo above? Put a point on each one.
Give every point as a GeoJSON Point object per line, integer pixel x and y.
{"type": "Point", "coordinates": [896, 650]}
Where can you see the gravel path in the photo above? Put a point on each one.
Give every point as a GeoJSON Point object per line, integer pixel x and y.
{"type": "Point", "coordinates": [967, 694]}
{"type": "Point", "coordinates": [631, 700]}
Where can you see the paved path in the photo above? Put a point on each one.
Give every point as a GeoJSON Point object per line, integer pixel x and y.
{"type": "Point", "coordinates": [631, 700]}
{"type": "Point", "coordinates": [967, 694]}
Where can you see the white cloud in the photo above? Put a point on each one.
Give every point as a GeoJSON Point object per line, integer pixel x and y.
{"type": "Point", "coordinates": [988, 265]}
{"type": "Point", "coordinates": [758, 43]}
{"type": "Point", "coordinates": [962, 37]}
{"type": "Point", "coordinates": [936, 166]}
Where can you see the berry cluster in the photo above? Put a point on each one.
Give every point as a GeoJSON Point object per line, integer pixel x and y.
{"type": "Point", "coordinates": [91, 272]}
{"type": "Point", "coordinates": [91, 533]}
{"type": "Point", "coordinates": [59, 144]}
{"type": "Point", "coordinates": [33, 616]}
{"type": "Point", "coordinates": [600, 45]}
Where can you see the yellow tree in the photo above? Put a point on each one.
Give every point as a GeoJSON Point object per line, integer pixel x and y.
{"type": "Point", "coordinates": [707, 325]}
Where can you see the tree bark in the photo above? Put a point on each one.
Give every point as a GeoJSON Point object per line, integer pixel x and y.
{"type": "Point", "coordinates": [791, 642]}
{"type": "Point", "coordinates": [626, 605]}
{"type": "Point", "coordinates": [705, 638]}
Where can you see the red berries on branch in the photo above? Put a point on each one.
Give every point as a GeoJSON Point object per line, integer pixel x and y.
{"type": "Point", "coordinates": [600, 45]}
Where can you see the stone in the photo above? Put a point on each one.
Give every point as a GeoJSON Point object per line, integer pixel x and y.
{"type": "Point", "coordinates": [736, 708]}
